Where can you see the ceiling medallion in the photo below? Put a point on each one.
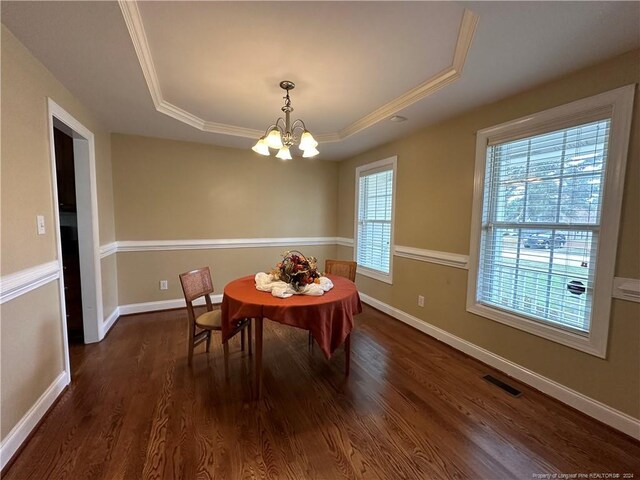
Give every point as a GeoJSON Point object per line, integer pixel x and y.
{"type": "Point", "coordinates": [282, 134]}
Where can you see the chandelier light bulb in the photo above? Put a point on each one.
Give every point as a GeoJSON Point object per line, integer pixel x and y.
{"type": "Point", "coordinates": [261, 147]}
{"type": "Point", "coordinates": [284, 153]}
{"type": "Point", "coordinates": [273, 139]}
{"type": "Point", "coordinates": [310, 152]}
{"type": "Point", "coordinates": [307, 141]}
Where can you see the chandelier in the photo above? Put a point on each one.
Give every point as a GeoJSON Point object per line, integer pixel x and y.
{"type": "Point", "coordinates": [282, 134]}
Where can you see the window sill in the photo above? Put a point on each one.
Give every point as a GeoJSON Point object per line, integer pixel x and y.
{"type": "Point", "coordinates": [367, 272]}
{"type": "Point", "coordinates": [584, 343]}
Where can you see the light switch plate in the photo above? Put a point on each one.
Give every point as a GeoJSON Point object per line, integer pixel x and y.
{"type": "Point", "coordinates": [40, 222]}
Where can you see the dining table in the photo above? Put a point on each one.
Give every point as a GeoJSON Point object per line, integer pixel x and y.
{"type": "Point", "coordinates": [329, 317]}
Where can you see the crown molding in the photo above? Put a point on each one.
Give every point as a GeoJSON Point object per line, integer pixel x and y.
{"type": "Point", "coordinates": [135, 25]}
{"type": "Point", "coordinates": [138, 36]}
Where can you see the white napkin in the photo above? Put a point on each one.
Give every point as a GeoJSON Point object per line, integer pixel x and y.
{"type": "Point", "coordinates": [278, 288]}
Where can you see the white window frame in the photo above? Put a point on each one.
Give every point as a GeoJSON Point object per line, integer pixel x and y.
{"type": "Point", "coordinates": [619, 103]}
{"type": "Point", "coordinates": [362, 170]}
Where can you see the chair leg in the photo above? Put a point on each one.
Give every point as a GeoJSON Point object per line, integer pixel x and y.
{"type": "Point", "coordinates": [249, 335]}
{"type": "Point", "coordinates": [190, 335]}
{"type": "Point", "coordinates": [242, 339]}
{"type": "Point", "coordinates": [208, 340]}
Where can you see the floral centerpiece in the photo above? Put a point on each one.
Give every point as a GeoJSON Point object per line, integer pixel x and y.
{"type": "Point", "coordinates": [296, 270]}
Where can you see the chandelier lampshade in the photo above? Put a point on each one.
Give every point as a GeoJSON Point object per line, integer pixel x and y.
{"type": "Point", "coordinates": [283, 134]}
{"type": "Point", "coordinates": [284, 153]}
{"type": "Point", "coordinates": [261, 147]}
{"type": "Point", "coordinates": [274, 139]}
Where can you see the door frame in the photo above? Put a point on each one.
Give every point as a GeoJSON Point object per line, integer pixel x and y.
{"type": "Point", "coordinates": [88, 230]}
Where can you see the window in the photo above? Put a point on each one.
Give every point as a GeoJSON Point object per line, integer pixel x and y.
{"type": "Point", "coordinates": [545, 220]}
{"type": "Point", "coordinates": [375, 193]}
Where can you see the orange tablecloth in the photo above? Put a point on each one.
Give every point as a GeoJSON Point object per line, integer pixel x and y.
{"type": "Point", "coordinates": [328, 317]}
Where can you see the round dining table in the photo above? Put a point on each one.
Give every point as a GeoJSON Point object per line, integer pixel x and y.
{"type": "Point", "coordinates": [328, 317]}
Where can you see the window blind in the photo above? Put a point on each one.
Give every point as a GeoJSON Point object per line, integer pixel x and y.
{"type": "Point", "coordinates": [541, 222]}
{"type": "Point", "coordinates": [375, 202]}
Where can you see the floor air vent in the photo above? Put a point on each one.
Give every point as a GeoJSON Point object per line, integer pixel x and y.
{"type": "Point", "coordinates": [499, 383]}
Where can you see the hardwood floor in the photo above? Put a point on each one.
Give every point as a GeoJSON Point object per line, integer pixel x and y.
{"type": "Point", "coordinates": [412, 408]}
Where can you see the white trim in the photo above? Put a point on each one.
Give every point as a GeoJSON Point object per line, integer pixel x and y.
{"type": "Point", "coordinates": [449, 259]}
{"type": "Point", "coordinates": [163, 305]}
{"type": "Point", "coordinates": [425, 89]}
{"type": "Point", "coordinates": [368, 272]}
{"type": "Point", "coordinates": [135, 26]}
{"type": "Point", "coordinates": [19, 433]}
{"type": "Point", "coordinates": [379, 165]}
{"type": "Point", "coordinates": [433, 256]}
{"type": "Point", "coordinates": [108, 249]}
{"type": "Point", "coordinates": [109, 321]}
{"type": "Point", "coordinates": [345, 242]}
{"type": "Point", "coordinates": [88, 231]}
{"type": "Point", "coordinates": [216, 243]}
{"type": "Point", "coordinates": [626, 289]}
{"type": "Point", "coordinates": [619, 104]}
{"type": "Point", "coordinates": [24, 281]}
{"type": "Point", "coordinates": [593, 408]}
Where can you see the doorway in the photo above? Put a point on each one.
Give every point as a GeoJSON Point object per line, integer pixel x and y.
{"type": "Point", "coordinates": [76, 228]}
{"type": "Point", "coordinates": [68, 214]}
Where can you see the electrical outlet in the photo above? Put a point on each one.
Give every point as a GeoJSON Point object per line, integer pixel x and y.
{"type": "Point", "coordinates": [164, 284]}
{"type": "Point", "coordinates": [420, 301]}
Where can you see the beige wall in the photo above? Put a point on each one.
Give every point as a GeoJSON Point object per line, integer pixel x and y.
{"type": "Point", "coordinates": [140, 272]}
{"type": "Point", "coordinates": [109, 272]}
{"type": "Point", "coordinates": [433, 211]}
{"type": "Point", "coordinates": [31, 351]}
{"type": "Point", "coordinates": [31, 324]}
{"type": "Point", "coordinates": [171, 190]}
{"type": "Point", "coordinates": [26, 164]}
{"type": "Point", "coordinates": [166, 189]}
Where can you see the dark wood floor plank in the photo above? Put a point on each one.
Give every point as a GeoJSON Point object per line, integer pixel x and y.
{"type": "Point", "coordinates": [412, 408]}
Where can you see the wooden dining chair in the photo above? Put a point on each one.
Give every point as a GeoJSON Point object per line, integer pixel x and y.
{"type": "Point", "coordinates": [197, 284]}
{"type": "Point", "coordinates": [342, 268]}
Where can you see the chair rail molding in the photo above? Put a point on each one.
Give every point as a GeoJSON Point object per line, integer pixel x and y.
{"type": "Point", "coordinates": [344, 242]}
{"type": "Point", "coordinates": [216, 243]}
{"type": "Point", "coordinates": [24, 281]}
{"type": "Point", "coordinates": [108, 249]}
{"type": "Point", "coordinates": [626, 289]}
{"type": "Point", "coordinates": [433, 256]}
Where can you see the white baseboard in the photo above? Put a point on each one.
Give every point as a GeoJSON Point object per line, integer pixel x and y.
{"type": "Point", "coordinates": [19, 433]}
{"type": "Point", "coordinates": [598, 410]}
{"type": "Point", "coordinates": [162, 305]}
{"type": "Point", "coordinates": [109, 321]}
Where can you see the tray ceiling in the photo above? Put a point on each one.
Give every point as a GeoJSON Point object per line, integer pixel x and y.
{"type": "Point", "coordinates": [209, 71]}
